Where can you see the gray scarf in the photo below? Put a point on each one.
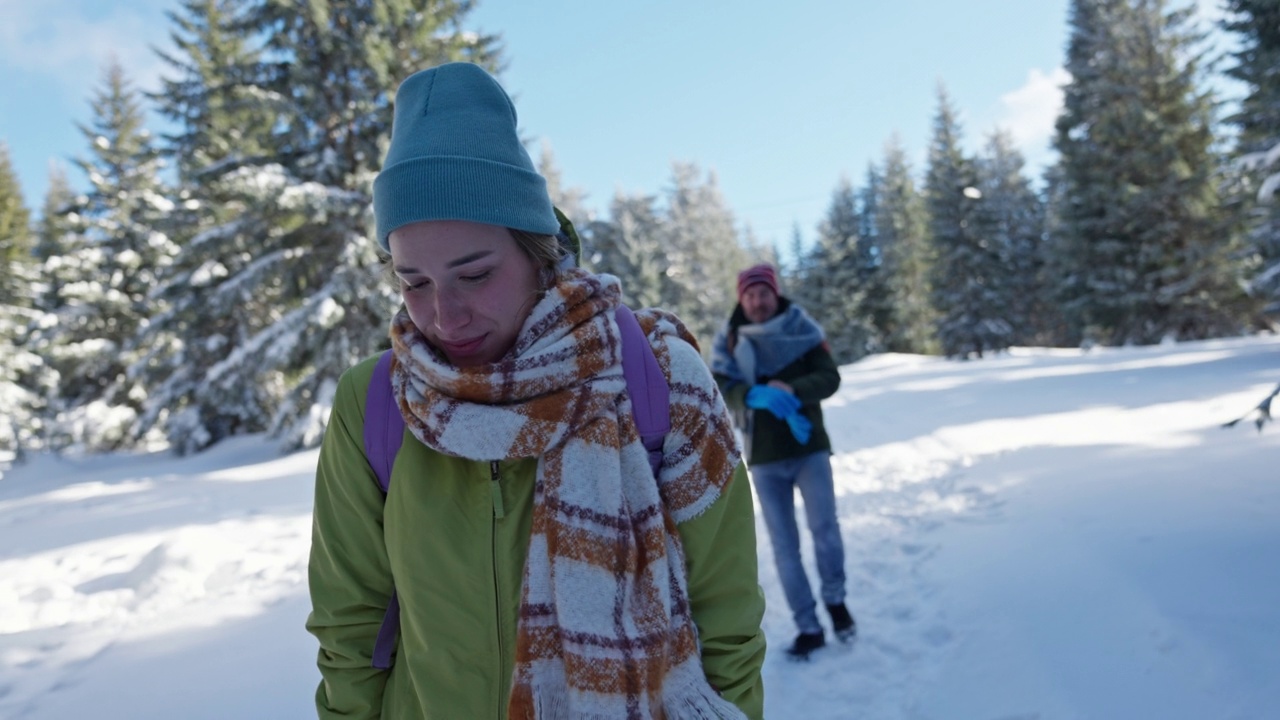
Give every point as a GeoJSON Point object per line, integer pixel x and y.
{"type": "Point", "coordinates": [763, 349]}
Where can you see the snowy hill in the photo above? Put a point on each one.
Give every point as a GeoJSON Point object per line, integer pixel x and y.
{"type": "Point", "coordinates": [1046, 534]}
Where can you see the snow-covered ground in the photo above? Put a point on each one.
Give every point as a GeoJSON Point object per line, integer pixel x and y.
{"type": "Point", "coordinates": [1043, 535]}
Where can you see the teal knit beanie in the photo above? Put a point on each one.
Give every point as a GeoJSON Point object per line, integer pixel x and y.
{"type": "Point", "coordinates": [455, 155]}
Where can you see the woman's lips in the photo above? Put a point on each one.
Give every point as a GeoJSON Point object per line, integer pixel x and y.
{"type": "Point", "coordinates": [462, 347]}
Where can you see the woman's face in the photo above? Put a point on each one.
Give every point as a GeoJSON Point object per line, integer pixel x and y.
{"type": "Point", "coordinates": [468, 287]}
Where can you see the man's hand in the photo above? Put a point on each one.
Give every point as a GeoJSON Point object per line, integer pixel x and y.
{"type": "Point", "coordinates": [779, 402]}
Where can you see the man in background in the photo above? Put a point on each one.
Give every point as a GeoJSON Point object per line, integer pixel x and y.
{"type": "Point", "coordinates": [774, 368]}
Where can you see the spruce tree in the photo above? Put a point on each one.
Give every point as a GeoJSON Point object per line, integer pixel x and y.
{"type": "Point", "coordinates": [902, 228]}
{"type": "Point", "coordinates": [837, 271]}
{"type": "Point", "coordinates": [792, 273]}
{"type": "Point", "coordinates": [629, 245]}
{"type": "Point", "coordinates": [1058, 328]}
{"type": "Point", "coordinates": [295, 267]}
{"type": "Point", "coordinates": [15, 233]}
{"type": "Point", "coordinates": [217, 118]}
{"type": "Point", "coordinates": [971, 307]}
{"type": "Point", "coordinates": [703, 253]}
{"type": "Point", "coordinates": [1145, 251]}
{"type": "Point", "coordinates": [109, 270]}
{"type": "Point", "coordinates": [221, 124]}
{"type": "Point", "coordinates": [1256, 24]}
{"type": "Point", "coordinates": [759, 250]}
{"type": "Point", "coordinates": [56, 237]}
{"type": "Point", "coordinates": [570, 200]}
{"type": "Point", "coordinates": [1256, 64]}
{"type": "Point", "coordinates": [801, 280]}
{"type": "Point", "coordinates": [1014, 228]}
{"type": "Point", "coordinates": [875, 299]}
{"type": "Point", "coordinates": [19, 421]}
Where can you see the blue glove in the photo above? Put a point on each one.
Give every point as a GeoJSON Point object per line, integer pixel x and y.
{"type": "Point", "coordinates": [800, 427]}
{"type": "Point", "coordinates": [779, 402]}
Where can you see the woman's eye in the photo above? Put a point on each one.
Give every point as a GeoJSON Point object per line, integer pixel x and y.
{"type": "Point", "coordinates": [478, 277]}
{"type": "Point", "coordinates": [409, 287]}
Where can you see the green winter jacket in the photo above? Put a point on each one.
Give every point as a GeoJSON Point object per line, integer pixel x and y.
{"type": "Point", "coordinates": [814, 377]}
{"type": "Point", "coordinates": [454, 534]}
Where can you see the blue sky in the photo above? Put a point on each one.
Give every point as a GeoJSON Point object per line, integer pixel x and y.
{"type": "Point", "coordinates": [779, 103]}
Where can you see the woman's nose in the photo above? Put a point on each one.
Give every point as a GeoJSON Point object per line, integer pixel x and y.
{"type": "Point", "coordinates": [451, 311]}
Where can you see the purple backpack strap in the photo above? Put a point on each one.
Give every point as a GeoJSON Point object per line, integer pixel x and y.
{"type": "Point", "coordinates": [647, 386]}
{"type": "Point", "coordinates": [383, 423]}
{"type": "Point", "coordinates": [383, 433]}
{"type": "Point", "coordinates": [386, 641]}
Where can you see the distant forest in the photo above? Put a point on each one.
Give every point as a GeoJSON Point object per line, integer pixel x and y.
{"type": "Point", "coordinates": [216, 280]}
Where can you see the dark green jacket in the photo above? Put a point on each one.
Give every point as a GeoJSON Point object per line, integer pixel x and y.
{"type": "Point", "coordinates": [814, 377]}
{"type": "Point", "coordinates": [454, 534]}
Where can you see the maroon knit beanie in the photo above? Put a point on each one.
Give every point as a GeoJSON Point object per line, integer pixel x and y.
{"type": "Point", "coordinates": [763, 273]}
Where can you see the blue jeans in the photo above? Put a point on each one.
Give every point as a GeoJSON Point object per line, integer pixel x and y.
{"type": "Point", "coordinates": [775, 485]}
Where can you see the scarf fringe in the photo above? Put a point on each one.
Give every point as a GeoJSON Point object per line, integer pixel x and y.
{"type": "Point", "coordinates": [551, 703]}
{"type": "Point", "coordinates": [706, 706]}
{"type": "Point", "coordinates": [692, 699]}
{"type": "Point", "coordinates": [688, 696]}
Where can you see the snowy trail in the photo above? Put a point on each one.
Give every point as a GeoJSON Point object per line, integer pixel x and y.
{"type": "Point", "coordinates": [1047, 534]}
{"type": "Point", "coordinates": [113, 563]}
{"type": "Point", "coordinates": [1109, 593]}
{"type": "Point", "coordinates": [954, 512]}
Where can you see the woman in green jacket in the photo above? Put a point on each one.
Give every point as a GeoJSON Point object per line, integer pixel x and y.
{"type": "Point", "coordinates": [541, 569]}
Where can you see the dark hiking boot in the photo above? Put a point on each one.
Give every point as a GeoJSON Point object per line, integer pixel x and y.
{"type": "Point", "coordinates": [805, 644]}
{"type": "Point", "coordinates": [842, 622]}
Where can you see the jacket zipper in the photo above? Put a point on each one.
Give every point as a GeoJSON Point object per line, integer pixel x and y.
{"type": "Point", "coordinates": [495, 489]}
{"type": "Point", "coordinates": [499, 512]}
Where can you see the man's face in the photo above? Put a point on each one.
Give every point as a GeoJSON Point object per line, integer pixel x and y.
{"type": "Point", "coordinates": [759, 303]}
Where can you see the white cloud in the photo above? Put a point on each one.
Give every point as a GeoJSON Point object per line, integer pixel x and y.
{"type": "Point", "coordinates": [66, 43]}
{"type": "Point", "coordinates": [1030, 111]}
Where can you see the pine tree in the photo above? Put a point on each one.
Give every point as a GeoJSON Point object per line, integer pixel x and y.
{"type": "Point", "coordinates": [629, 245]}
{"type": "Point", "coordinates": [1014, 227]}
{"type": "Point", "coordinates": [1257, 66]}
{"type": "Point", "coordinates": [15, 232]}
{"type": "Point", "coordinates": [110, 269]}
{"type": "Point", "coordinates": [1256, 24]}
{"type": "Point", "coordinates": [875, 300]}
{"type": "Point", "coordinates": [19, 421]}
{"type": "Point", "coordinates": [222, 125]}
{"type": "Point", "coordinates": [1056, 325]}
{"type": "Point", "coordinates": [681, 255]}
{"type": "Point", "coordinates": [837, 271]}
{"type": "Point", "coordinates": [570, 200]}
{"type": "Point", "coordinates": [758, 250]}
{"type": "Point", "coordinates": [217, 117]}
{"type": "Point", "coordinates": [902, 227]}
{"type": "Point", "coordinates": [1146, 252]}
{"type": "Point", "coordinates": [966, 289]}
{"type": "Point", "coordinates": [703, 253]}
{"type": "Point", "coordinates": [295, 268]}
{"type": "Point", "coordinates": [57, 242]}
{"type": "Point", "coordinates": [56, 239]}
{"type": "Point", "coordinates": [799, 279]}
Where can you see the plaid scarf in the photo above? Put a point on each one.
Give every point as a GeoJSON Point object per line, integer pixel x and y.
{"type": "Point", "coordinates": [605, 628]}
